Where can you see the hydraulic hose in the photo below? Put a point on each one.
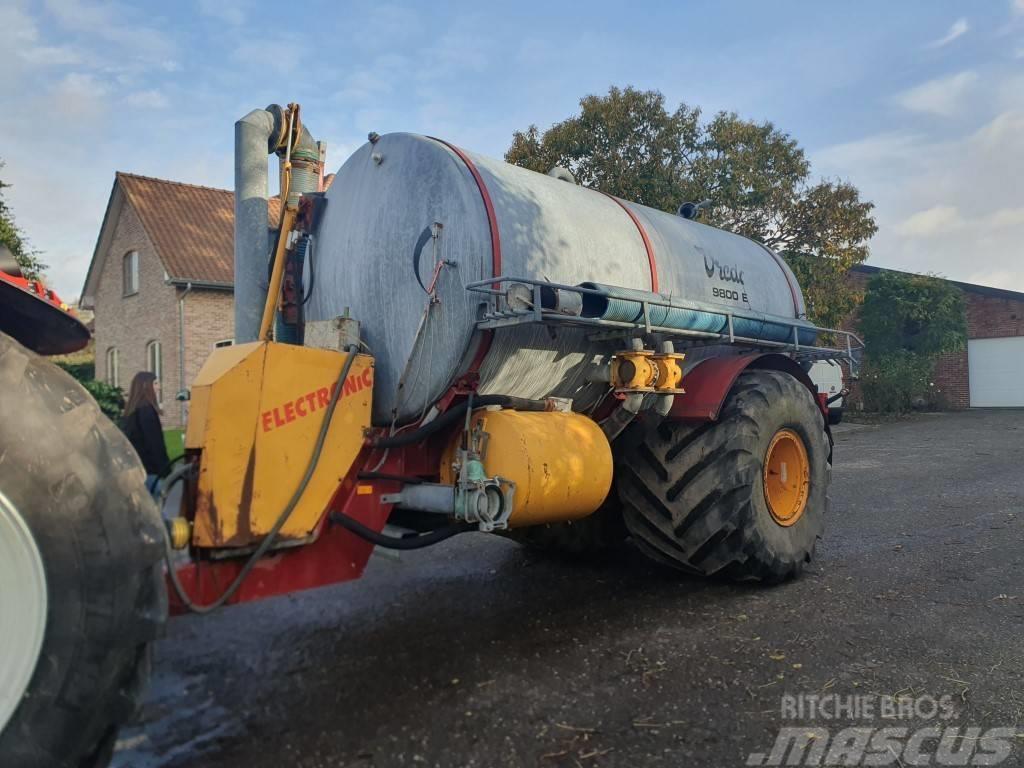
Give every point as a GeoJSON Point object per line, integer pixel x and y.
{"type": "Point", "coordinates": [268, 540]}
{"type": "Point", "coordinates": [398, 542]}
{"type": "Point", "coordinates": [453, 414]}
{"type": "Point", "coordinates": [837, 396]}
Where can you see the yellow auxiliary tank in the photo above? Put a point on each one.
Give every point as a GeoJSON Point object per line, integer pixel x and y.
{"type": "Point", "coordinates": [560, 462]}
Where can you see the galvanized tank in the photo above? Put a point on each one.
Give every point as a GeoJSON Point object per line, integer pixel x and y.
{"type": "Point", "coordinates": [374, 257]}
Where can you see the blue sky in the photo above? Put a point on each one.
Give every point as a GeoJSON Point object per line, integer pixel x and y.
{"type": "Point", "coordinates": [920, 104]}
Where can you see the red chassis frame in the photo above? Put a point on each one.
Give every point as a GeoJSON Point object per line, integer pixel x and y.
{"type": "Point", "coordinates": [336, 554]}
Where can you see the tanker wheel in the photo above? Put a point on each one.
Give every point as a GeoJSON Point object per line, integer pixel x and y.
{"type": "Point", "coordinates": [81, 584]}
{"type": "Point", "coordinates": [743, 497]}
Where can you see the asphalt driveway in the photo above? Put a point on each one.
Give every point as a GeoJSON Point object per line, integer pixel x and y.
{"type": "Point", "coordinates": [476, 653]}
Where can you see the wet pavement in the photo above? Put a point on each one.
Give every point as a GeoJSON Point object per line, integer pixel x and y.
{"type": "Point", "coordinates": [478, 653]}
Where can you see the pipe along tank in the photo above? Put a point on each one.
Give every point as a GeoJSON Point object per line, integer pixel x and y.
{"type": "Point", "coordinates": [407, 213]}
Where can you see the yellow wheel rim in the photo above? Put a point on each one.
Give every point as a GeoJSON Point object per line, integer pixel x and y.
{"type": "Point", "coordinates": [787, 477]}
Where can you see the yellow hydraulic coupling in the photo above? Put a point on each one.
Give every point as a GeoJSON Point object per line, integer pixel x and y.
{"type": "Point", "coordinates": [670, 372]}
{"type": "Point", "coordinates": [179, 531]}
{"type": "Point", "coordinates": [647, 371]}
{"type": "Point", "coordinates": [634, 371]}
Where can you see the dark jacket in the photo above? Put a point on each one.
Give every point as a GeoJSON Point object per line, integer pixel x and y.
{"type": "Point", "coordinates": [147, 437]}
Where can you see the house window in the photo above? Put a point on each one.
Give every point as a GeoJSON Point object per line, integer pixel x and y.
{"type": "Point", "coordinates": [113, 369]}
{"type": "Point", "coordinates": [223, 343]}
{"type": "Point", "coordinates": [155, 365]}
{"type": "Point", "coordinates": [130, 272]}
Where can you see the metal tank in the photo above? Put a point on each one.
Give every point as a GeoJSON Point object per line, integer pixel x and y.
{"type": "Point", "coordinates": [411, 220]}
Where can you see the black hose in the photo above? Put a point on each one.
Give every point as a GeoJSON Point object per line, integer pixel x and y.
{"type": "Point", "coordinates": [398, 542]}
{"type": "Point", "coordinates": [453, 414]}
{"type": "Point", "coordinates": [312, 272]}
{"type": "Point", "coordinates": [407, 479]}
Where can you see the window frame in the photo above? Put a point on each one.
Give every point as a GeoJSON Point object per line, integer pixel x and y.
{"type": "Point", "coordinates": [113, 367]}
{"type": "Point", "coordinates": [130, 273]}
{"type": "Point", "coordinates": [156, 369]}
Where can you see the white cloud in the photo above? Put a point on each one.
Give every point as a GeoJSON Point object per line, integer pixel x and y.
{"type": "Point", "coordinates": [959, 28]}
{"type": "Point", "coordinates": [943, 96]}
{"type": "Point", "coordinates": [138, 44]}
{"type": "Point", "coordinates": [948, 205]}
{"type": "Point", "coordinates": [1018, 6]}
{"type": "Point", "coordinates": [79, 95]}
{"type": "Point", "coordinates": [934, 221]}
{"type": "Point", "coordinates": [149, 99]}
{"type": "Point", "coordinates": [223, 10]}
{"type": "Point", "coordinates": [19, 39]}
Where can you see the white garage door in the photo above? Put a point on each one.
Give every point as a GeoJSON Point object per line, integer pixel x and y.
{"type": "Point", "coordinates": [996, 369]}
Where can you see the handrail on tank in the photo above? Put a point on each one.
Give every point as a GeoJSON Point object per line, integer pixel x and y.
{"type": "Point", "coordinates": [499, 318]}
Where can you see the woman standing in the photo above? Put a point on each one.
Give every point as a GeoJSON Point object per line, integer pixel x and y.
{"type": "Point", "coordinates": [141, 424]}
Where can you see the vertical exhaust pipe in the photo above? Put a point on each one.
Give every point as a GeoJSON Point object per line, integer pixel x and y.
{"type": "Point", "coordinates": [256, 136]}
{"type": "Point", "coordinates": [260, 133]}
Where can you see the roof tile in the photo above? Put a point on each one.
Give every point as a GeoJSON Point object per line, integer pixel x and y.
{"type": "Point", "coordinates": [192, 227]}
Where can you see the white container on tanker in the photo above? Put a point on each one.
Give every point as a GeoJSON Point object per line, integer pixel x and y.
{"type": "Point", "coordinates": [410, 212]}
{"type": "Point", "coordinates": [827, 376]}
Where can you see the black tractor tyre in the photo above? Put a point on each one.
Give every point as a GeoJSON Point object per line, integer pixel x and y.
{"type": "Point", "coordinates": [835, 415]}
{"type": "Point", "coordinates": [693, 495]}
{"type": "Point", "coordinates": [79, 487]}
{"type": "Point", "coordinates": [599, 533]}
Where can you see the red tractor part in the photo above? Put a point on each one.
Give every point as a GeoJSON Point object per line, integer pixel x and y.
{"type": "Point", "coordinates": [35, 316]}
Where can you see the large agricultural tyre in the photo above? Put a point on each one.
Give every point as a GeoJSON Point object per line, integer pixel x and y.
{"type": "Point", "coordinates": [81, 583]}
{"type": "Point", "coordinates": [742, 497]}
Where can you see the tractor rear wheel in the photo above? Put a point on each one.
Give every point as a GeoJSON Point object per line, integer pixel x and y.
{"type": "Point", "coordinates": [81, 582]}
{"type": "Point", "coordinates": [743, 497]}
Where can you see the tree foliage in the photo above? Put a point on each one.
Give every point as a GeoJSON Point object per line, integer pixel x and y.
{"type": "Point", "coordinates": [921, 314]}
{"type": "Point", "coordinates": [16, 242]}
{"type": "Point", "coordinates": [757, 178]}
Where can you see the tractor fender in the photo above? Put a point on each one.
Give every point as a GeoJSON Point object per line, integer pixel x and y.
{"type": "Point", "coordinates": [710, 380]}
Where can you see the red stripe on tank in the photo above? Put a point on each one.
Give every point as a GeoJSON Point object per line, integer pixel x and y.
{"type": "Point", "coordinates": [492, 222]}
{"type": "Point", "coordinates": [492, 219]}
{"type": "Point", "coordinates": [643, 234]}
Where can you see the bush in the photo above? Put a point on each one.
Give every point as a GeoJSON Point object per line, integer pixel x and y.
{"type": "Point", "coordinates": [110, 399]}
{"type": "Point", "coordinates": [897, 382]}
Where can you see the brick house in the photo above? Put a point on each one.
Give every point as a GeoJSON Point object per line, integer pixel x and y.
{"type": "Point", "coordinates": [160, 283]}
{"type": "Point", "coordinates": [990, 370]}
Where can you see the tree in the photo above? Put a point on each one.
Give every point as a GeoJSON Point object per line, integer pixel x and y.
{"type": "Point", "coordinates": [12, 237]}
{"type": "Point", "coordinates": [908, 321]}
{"type": "Point", "coordinates": [921, 314]}
{"type": "Point", "coordinates": [757, 177]}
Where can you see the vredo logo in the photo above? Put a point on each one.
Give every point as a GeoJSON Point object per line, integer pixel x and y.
{"type": "Point", "coordinates": [725, 272]}
{"type": "Point", "coordinates": [315, 400]}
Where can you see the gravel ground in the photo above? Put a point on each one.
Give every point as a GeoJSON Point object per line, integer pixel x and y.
{"type": "Point", "coordinates": [477, 653]}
